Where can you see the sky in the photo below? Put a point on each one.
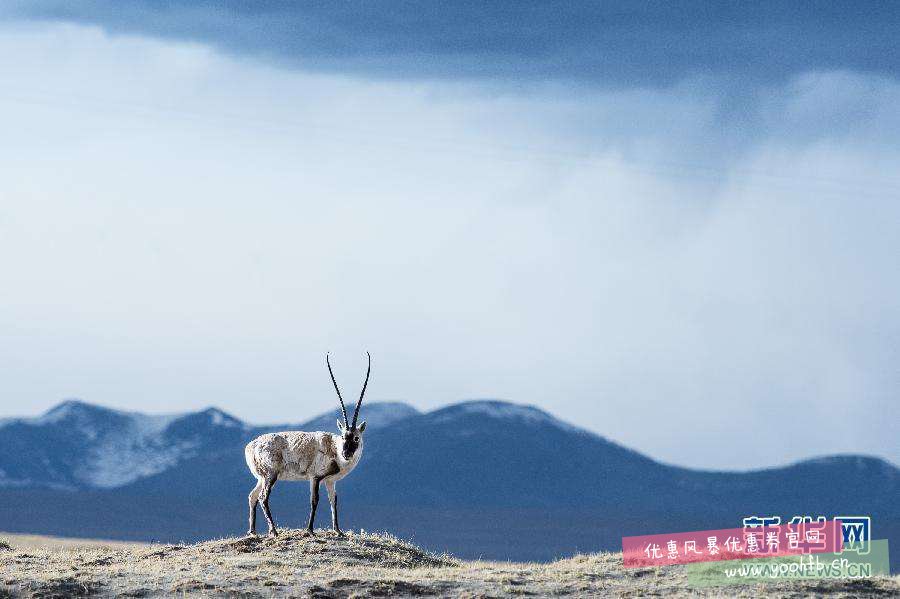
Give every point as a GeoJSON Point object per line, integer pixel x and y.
{"type": "Point", "coordinates": [676, 227]}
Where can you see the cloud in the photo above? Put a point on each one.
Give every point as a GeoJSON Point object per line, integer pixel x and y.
{"type": "Point", "coordinates": [181, 228]}
{"type": "Point", "coordinates": [609, 44]}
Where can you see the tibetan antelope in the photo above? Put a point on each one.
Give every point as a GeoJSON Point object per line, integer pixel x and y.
{"type": "Point", "coordinates": [298, 455]}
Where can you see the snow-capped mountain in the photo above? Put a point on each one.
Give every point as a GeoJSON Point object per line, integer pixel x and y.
{"type": "Point", "coordinates": [479, 478]}
{"type": "Point", "coordinates": [79, 445]}
{"type": "Point", "coordinates": [76, 445]}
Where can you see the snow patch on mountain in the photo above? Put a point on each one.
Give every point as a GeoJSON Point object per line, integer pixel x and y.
{"type": "Point", "coordinates": [10, 482]}
{"type": "Point", "coordinates": [219, 418]}
{"type": "Point", "coordinates": [377, 414]}
{"type": "Point", "coordinates": [120, 462]}
{"type": "Point", "coordinates": [69, 410]}
{"type": "Point", "coordinates": [132, 452]}
{"type": "Point", "coordinates": [65, 410]}
{"type": "Point", "coordinates": [387, 412]}
{"type": "Point", "coordinates": [503, 410]}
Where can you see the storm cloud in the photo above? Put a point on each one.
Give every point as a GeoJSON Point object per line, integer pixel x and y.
{"type": "Point", "coordinates": [611, 43]}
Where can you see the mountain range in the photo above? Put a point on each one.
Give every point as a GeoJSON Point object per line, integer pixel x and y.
{"type": "Point", "coordinates": [486, 479]}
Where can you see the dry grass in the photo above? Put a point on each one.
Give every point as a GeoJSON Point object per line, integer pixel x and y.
{"type": "Point", "coordinates": [358, 565]}
{"type": "Point", "coordinates": [20, 541]}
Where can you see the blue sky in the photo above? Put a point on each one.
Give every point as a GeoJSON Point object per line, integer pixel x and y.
{"type": "Point", "coordinates": [677, 227]}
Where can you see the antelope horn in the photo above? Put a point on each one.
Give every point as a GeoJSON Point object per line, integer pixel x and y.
{"type": "Point", "coordinates": [363, 392]}
{"type": "Point", "coordinates": [341, 399]}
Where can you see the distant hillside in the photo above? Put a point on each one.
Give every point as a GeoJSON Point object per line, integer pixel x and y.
{"type": "Point", "coordinates": [480, 478]}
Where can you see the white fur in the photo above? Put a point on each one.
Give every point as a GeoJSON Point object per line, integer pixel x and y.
{"type": "Point", "coordinates": [298, 455]}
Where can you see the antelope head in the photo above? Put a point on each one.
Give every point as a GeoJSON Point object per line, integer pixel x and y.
{"type": "Point", "coordinates": [351, 434]}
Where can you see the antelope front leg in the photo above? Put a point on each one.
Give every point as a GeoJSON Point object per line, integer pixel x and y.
{"type": "Point", "coordinates": [313, 503]}
{"type": "Point", "coordinates": [333, 500]}
{"type": "Point", "coordinates": [264, 495]}
{"type": "Point", "coordinates": [254, 499]}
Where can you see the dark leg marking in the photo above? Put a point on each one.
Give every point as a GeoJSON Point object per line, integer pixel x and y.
{"type": "Point", "coordinates": [267, 489]}
{"type": "Point", "coordinates": [331, 470]}
{"type": "Point", "coordinates": [334, 514]}
{"type": "Point", "coordinates": [332, 496]}
{"type": "Point", "coordinates": [253, 500]}
{"type": "Point", "coordinates": [313, 501]}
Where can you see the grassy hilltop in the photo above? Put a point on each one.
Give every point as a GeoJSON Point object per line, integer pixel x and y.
{"type": "Point", "coordinates": [360, 564]}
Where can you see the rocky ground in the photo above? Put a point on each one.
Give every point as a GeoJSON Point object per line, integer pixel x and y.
{"type": "Point", "coordinates": [357, 565]}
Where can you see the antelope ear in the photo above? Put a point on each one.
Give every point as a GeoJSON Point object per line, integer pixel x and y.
{"type": "Point", "coordinates": [340, 425]}
{"type": "Point", "coordinates": [362, 426]}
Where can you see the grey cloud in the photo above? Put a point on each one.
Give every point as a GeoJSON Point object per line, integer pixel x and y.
{"type": "Point", "coordinates": [609, 44]}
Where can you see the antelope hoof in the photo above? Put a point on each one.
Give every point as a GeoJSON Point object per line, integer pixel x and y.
{"type": "Point", "coordinates": [273, 533]}
{"type": "Point", "coordinates": [309, 533]}
{"type": "Point", "coordinates": [338, 532]}
{"type": "Point", "coordinates": [251, 533]}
